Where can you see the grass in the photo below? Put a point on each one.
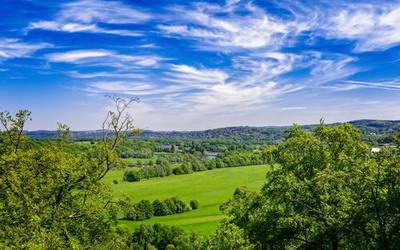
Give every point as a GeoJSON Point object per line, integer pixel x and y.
{"type": "Point", "coordinates": [210, 188]}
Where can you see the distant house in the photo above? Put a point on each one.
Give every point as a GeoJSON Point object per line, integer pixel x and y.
{"type": "Point", "coordinates": [375, 150]}
{"type": "Point", "coordinates": [165, 147]}
{"type": "Point", "coordinates": [212, 155]}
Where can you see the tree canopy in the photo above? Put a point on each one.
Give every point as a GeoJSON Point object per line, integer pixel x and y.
{"type": "Point", "coordinates": [327, 190]}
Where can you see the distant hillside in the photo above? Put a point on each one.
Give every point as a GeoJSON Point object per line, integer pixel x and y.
{"type": "Point", "coordinates": [381, 129]}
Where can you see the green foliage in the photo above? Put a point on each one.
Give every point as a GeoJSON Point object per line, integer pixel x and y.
{"type": "Point", "coordinates": [164, 237]}
{"type": "Point", "coordinates": [328, 191]}
{"type": "Point", "coordinates": [161, 208]}
{"type": "Point", "coordinates": [228, 237]}
{"type": "Point", "coordinates": [132, 175]}
{"type": "Point", "coordinates": [144, 209]}
{"type": "Point", "coordinates": [185, 168]}
{"type": "Point", "coordinates": [210, 188]}
{"type": "Point", "coordinates": [51, 197]}
{"type": "Point", "coordinates": [194, 204]}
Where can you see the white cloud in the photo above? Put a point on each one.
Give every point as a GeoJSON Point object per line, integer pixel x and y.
{"type": "Point", "coordinates": [332, 67]}
{"type": "Point", "coordinates": [101, 57]}
{"type": "Point", "coordinates": [214, 90]}
{"type": "Point", "coordinates": [90, 11]}
{"type": "Point", "coordinates": [230, 27]}
{"type": "Point", "coordinates": [88, 15]}
{"type": "Point", "coordinates": [77, 56]}
{"type": "Point", "coordinates": [105, 74]}
{"type": "Point", "coordinates": [139, 89]}
{"type": "Point", "coordinates": [294, 108]}
{"type": "Point", "coordinates": [348, 85]}
{"type": "Point", "coordinates": [263, 66]}
{"type": "Point", "coordinates": [234, 97]}
{"type": "Point", "coordinates": [77, 27]}
{"type": "Point", "coordinates": [14, 48]}
{"type": "Point", "coordinates": [373, 27]}
{"type": "Point", "coordinates": [197, 77]}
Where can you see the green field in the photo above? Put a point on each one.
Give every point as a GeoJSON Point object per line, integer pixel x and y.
{"type": "Point", "coordinates": [210, 188]}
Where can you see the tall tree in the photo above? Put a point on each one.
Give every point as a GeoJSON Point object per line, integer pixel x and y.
{"type": "Point", "coordinates": [51, 198]}
{"type": "Point", "coordinates": [325, 191]}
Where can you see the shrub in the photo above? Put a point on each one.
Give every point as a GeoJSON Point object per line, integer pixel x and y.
{"type": "Point", "coordinates": [163, 237]}
{"type": "Point", "coordinates": [146, 209]}
{"type": "Point", "coordinates": [115, 181]}
{"type": "Point", "coordinates": [140, 211]}
{"type": "Point", "coordinates": [161, 208]}
{"type": "Point", "coordinates": [194, 204]}
{"type": "Point", "coordinates": [132, 175]}
{"type": "Point", "coordinates": [185, 168]}
{"type": "Point", "coordinates": [180, 206]}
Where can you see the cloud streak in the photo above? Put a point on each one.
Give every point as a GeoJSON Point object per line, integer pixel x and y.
{"type": "Point", "coordinates": [373, 27]}
{"type": "Point", "coordinates": [101, 57]}
{"type": "Point", "coordinates": [15, 48]}
{"type": "Point", "coordinates": [231, 27]}
{"type": "Point", "coordinates": [87, 16]}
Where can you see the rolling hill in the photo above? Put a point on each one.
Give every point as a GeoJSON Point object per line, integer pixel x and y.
{"type": "Point", "coordinates": [376, 128]}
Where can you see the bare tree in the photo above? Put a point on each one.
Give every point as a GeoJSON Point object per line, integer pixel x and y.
{"type": "Point", "coordinates": [118, 123]}
{"type": "Point", "coordinates": [116, 127]}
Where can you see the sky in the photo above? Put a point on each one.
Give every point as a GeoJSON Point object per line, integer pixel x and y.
{"type": "Point", "coordinates": [200, 65]}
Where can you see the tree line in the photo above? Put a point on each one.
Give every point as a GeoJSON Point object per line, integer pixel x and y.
{"type": "Point", "coordinates": [146, 209]}
{"type": "Point", "coordinates": [194, 164]}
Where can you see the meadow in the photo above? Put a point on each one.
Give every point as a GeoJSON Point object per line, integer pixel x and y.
{"type": "Point", "coordinates": [210, 188]}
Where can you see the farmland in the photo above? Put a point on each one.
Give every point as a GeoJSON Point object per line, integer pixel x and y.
{"type": "Point", "coordinates": [210, 188]}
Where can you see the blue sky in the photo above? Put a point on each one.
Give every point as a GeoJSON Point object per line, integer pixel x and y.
{"type": "Point", "coordinates": [198, 65]}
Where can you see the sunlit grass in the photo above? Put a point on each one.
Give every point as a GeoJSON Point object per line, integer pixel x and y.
{"type": "Point", "coordinates": [210, 188]}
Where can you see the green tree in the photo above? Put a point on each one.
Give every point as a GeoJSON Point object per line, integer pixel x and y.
{"type": "Point", "coordinates": [194, 204]}
{"type": "Point", "coordinates": [326, 191]}
{"type": "Point", "coordinates": [228, 237]}
{"type": "Point", "coordinates": [51, 198]}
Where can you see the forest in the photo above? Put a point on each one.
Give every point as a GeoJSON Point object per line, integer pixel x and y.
{"type": "Point", "coordinates": [324, 189]}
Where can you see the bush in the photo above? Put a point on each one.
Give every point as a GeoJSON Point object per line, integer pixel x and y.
{"type": "Point", "coordinates": [161, 208]}
{"type": "Point", "coordinates": [194, 204]}
{"type": "Point", "coordinates": [163, 237]}
{"type": "Point", "coordinates": [132, 175]}
{"type": "Point", "coordinates": [145, 209]}
{"type": "Point", "coordinates": [185, 168]}
{"type": "Point", "coordinates": [115, 181]}
{"type": "Point", "coordinates": [140, 211]}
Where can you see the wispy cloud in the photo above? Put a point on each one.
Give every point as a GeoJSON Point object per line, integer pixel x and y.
{"type": "Point", "coordinates": [140, 89]}
{"type": "Point", "coordinates": [197, 77]}
{"type": "Point", "coordinates": [294, 108]}
{"type": "Point", "coordinates": [231, 27]}
{"type": "Point", "coordinates": [78, 56]}
{"type": "Point", "coordinates": [353, 85]}
{"type": "Point", "coordinates": [88, 16]}
{"type": "Point", "coordinates": [101, 57]}
{"type": "Point", "coordinates": [105, 74]}
{"type": "Point", "coordinates": [235, 97]}
{"type": "Point", "coordinates": [215, 90]}
{"type": "Point", "coordinates": [372, 26]}
{"type": "Point", "coordinates": [78, 27]}
{"type": "Point", "coordinates": [331, 67]}
{"type": "Point", "coordinates": [14, 48]}
{"type": "Point", "coordinates": [102, 11]}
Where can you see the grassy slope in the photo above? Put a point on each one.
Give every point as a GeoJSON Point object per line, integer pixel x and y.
{"type": "Point", "coordinates": [210, 188]}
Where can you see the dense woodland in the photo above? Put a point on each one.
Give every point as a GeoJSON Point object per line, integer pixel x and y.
{"type": "Point", "coordinates": [325, 188]}
{"type": "Point", "coordinates": [375, 131]}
